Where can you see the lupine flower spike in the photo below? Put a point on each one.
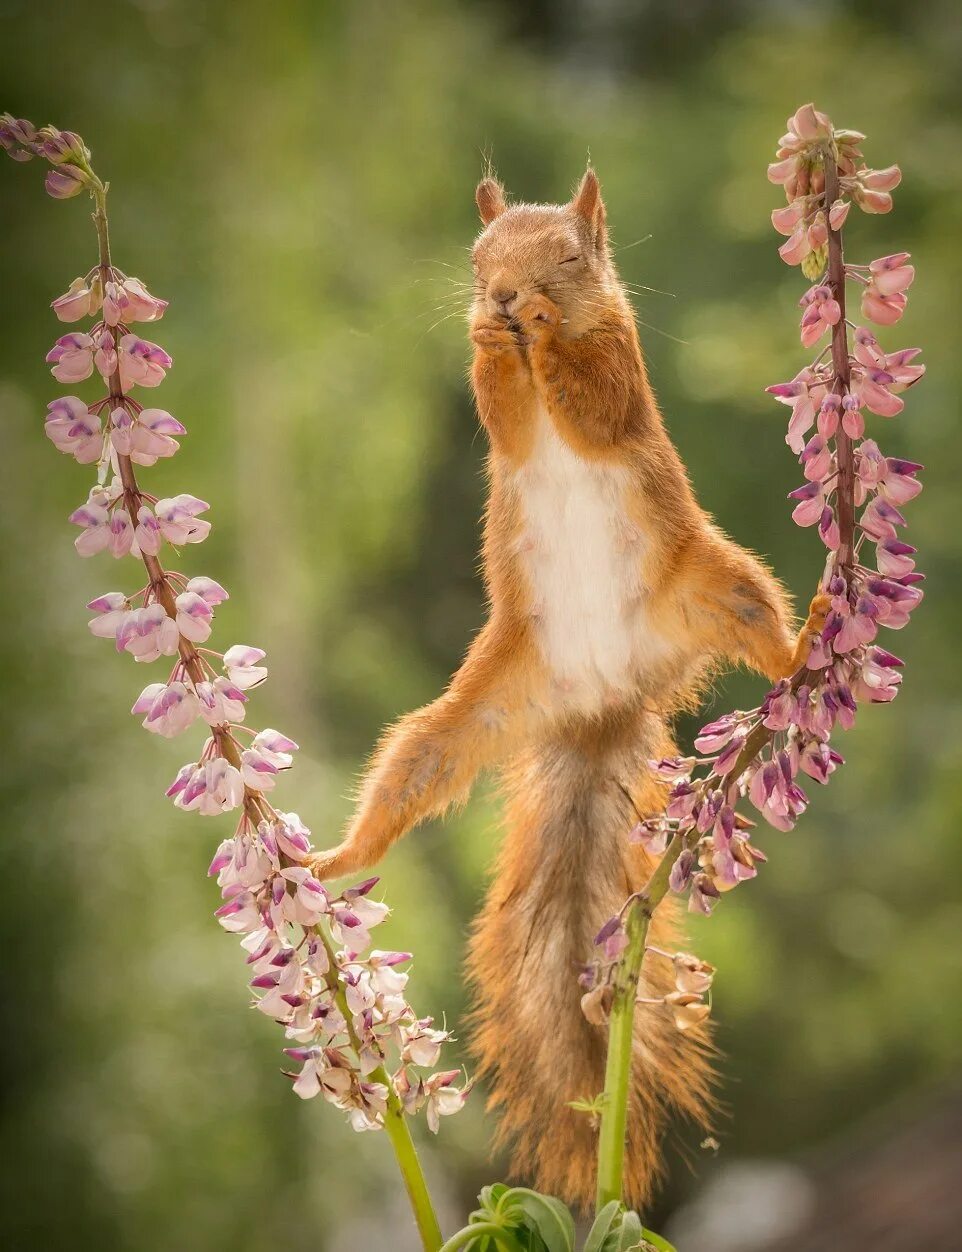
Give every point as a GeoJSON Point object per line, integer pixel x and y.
{"type": "Point", "coordinates": [340, 1002]}
{"type": "Point", "coordinates": [853, 495]}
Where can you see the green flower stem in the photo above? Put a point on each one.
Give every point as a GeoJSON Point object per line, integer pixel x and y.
{"type": "Point", "coordinates": [621, 1026]}
{"type": "Point", "coordinates": [476, 1231]}
{"type": "Point", "coordinates": [395, 1122]}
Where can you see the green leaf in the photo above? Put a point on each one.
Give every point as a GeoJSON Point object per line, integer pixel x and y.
{"type": "Point", "coordinates": [629, 1233]}
{"type": "Point", "coordinates": [490, 1198]}
{"type": "Point", "coordinates": [657, 1242]}
{"type": "Point", "coordinates": [546, 1217]}
{"type": "Point", "coordinates": [602, 1226]}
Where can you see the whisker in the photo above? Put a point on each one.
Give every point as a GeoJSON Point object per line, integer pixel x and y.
{"type": "Point", "coordinates": [623, 247]}
{"type": "Point", "coordinates": [436, 324]}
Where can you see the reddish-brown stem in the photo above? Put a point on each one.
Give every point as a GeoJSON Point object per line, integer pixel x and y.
{"type": "Point", "coordinates": [845, 487]}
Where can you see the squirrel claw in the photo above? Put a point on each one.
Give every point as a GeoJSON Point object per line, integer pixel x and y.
{"type": "Point", "coordinates": [493, 336]}
{"type": "Point", "coordinates": [538, 317]}
{"type": "Point", "coordinates": [818, 612]}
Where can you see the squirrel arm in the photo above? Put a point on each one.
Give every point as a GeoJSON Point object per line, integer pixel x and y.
{"type": "Point", "coordinates": [503, 387]}
{"type": "Point", "coordinates": [430, 758]}
{"type": "Point", "coordinates": [743, 613]}
{"type": "Point", "coordinates": [593, 384]}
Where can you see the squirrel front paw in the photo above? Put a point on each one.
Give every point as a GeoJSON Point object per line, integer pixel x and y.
{"type": "Point", "coordinates": [538, 318]}
{"type": "Point", "coordinates": [818, 612]}
{"type": "Point", "coordinates": [493, 335]}
{"type": "Point", "coordinates": [333, 863]}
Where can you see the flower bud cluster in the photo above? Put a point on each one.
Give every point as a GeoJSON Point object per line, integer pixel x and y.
{"type": "Point", "coordinates": [800, 168]}
{"type": "Point", "coordinates": [341, 1003]}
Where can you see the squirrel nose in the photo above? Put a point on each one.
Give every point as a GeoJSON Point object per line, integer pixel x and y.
{"type": "Point", "coordinates": [502, 297]}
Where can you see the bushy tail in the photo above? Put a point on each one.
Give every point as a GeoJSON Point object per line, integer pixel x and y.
{"type": "Point", "coordinates": [564, 868]}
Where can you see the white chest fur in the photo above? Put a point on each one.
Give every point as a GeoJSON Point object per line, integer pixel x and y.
{"type": "Point", "coordinates": [583, 557]}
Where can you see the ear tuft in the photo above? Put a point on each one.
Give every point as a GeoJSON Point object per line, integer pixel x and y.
{"type": "Point", "coordinates": [489, 198]}
{"type": "Point", "coordinates": [588, 204]}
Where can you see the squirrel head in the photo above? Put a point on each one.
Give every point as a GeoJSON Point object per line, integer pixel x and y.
{"type": "Point", "coordinates": [558, 250]}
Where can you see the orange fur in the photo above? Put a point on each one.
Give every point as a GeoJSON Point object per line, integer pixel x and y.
{"type": "Point", "coordinates": [612, 595]}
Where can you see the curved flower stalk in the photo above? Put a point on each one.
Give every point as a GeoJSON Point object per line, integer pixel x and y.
{"type": "Point", "coordinates": [853, 495]}
{"type": "Point", "coordinates": [340, 1002]}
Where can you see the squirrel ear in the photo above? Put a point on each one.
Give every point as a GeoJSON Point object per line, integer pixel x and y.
{"type": "Point", "coordinates": [490, 199]}
{"type": "Point", "coordinates": [589, 206]}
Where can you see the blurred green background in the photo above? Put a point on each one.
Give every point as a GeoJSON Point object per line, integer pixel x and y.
{"type": "Point", "coordinates": [297, 179]}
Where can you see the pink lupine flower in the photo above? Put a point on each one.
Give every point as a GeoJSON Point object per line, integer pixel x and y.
{"type": "Point", "coordinates": [838, 213]}
{"type": "Point", "coordinates": [780, 707]}
{"type": "Point", "coordinates": [241, 664]}
{"type": "Point", "coordinates": [213, 787]}
{"type": "Point", "coordinates": [803, 393]}
{"type": "Point", "coordinates": [811, 504]}
{"type": "Point", "coordinates": [95, 517]}
{"type": "Point", "coordinates": [853, 627]}
{"type": "Point", "coordinates": [420, 1044]}
{"type": "Point", "coordinates": [883, 298]}
{"type": "Point", "coordinates": [828, 528]}
{"type": "Point", "coordinates": [873, 389]}
{"type": "Point", "coordinates": [853, 423]}
{"type": "Point", "coordinates": [822, 312]}
{"type": "Point", "coordinates": [18, 137]}
{"type": "Point", "coordinates": [72, 358]}
{"type": "Point", "coordinates": [111, 610]}
{"type": "Point", "coordinates": [703, 895]}
{"type": "Point", "coordinates": [903, 373]}
{"type": "Point", "coordinates": [871, 201]}
{"type": "Point", "coordinates": [352, 924]}
{"type": "Point", "coordinates": [240, 912]}
{"type": "Point", "coordinates": [142, 363]}
{"type": "Point", "coordinates": [787, 219]}
{"type": "Point", "coordinates": [729, 755]}
{"type": "Point", "coordinates": [818, 232]}
{"type": "Point", "coordinates": [816, 459]}
{"type": "Point", "coordinates": [827, 420]}
{"type": "Point", "coordinates": [105, 354]}
{"type": "Point", "coordinates": [147, 535]}
{"type": "Point", "coordinates": [130, 301]}
{"type": "Point", "coordinates": [74, 430]}
{"type": "Point", "coordinates": [780, 172]}
{"type": "Point", "coordinates": [208, 589]}
{"type": "Point", "coordinates": [310, 901]}
{"type": "Point", "coordinates": [443, 1098]}
{"type": "Point", "coordinates": [881, 180]}
{"type": "Point", "coordinates": [147, 437]}
{"type": "Point", "coordinates": [682, 870]}
{"type": "Point", "coordinates": [220, 702]}
{"type": "Point", "coordinates": [194, 616]}
{"type": "Point", "coordinates": [65, 181]}
{"type": "Point", "coordinates": [178, 518]}
{"type": "Point", "coordinates": [796, 247]}
{"type": "Point", "coordinates": [148, 633]}
{"type": "Point", "coordinates": [79, 300]}
{"type": "Point", "coordinates": [275, 747]}
{"type": "Point", "coordinates": [879, 679]}
{"type": "Point", "coordinates": [673, 768]}
{"type": "Point", "coordinates": [170, 708]}
{"type": "Point", "coordinates": [62, 145]}
{"type": "Point", "coordinates": [292, 836]}
{"type": "Point", "coordinates": [714, 736]}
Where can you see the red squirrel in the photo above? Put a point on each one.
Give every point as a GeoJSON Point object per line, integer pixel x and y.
{"type": "Point", "coordinates": [612, 595]}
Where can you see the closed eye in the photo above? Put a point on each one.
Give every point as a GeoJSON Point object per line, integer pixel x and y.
{"type": "Point", "coordinates": [569, 259]}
